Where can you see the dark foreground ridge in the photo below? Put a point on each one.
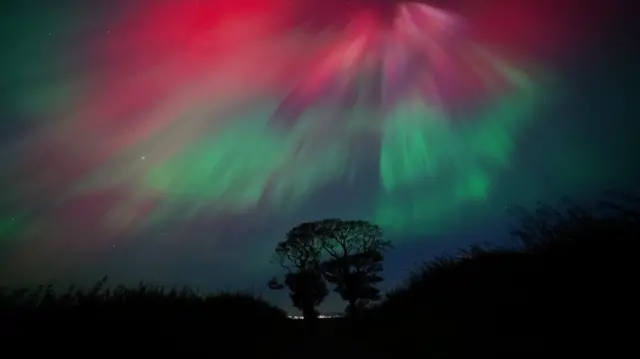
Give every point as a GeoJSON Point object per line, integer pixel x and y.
{"type": "Point", "coordinates": [567, 288]}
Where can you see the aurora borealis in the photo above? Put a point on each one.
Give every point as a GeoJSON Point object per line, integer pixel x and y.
{"type": "Point", "coordinates": [176, 142]}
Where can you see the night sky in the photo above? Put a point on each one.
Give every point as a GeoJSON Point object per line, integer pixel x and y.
{"type": "Point", "coordinates": [177, 141]}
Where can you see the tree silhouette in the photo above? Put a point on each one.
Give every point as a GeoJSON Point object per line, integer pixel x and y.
{"type": "Point", "coordinates": [308, 290]}
{"type": "Point", "coordinates": [355, 250]}
{"type": "Point", "coordinates": [300, 255]}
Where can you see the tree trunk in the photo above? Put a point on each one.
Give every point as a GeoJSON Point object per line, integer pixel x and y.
{"type": "Point", "coordinates": [310, 319]}
{"type": "Point", "coordinates": [353, 309]}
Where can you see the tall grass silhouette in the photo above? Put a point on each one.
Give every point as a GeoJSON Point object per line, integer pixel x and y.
{"type": "Point", "coordinates": [566, 283]}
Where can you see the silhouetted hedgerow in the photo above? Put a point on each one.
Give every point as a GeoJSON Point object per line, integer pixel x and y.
{"type": "Point", "coordinates": [566, 287]}
{"type": "Point", "coordinates": [148, 317]}
{"type": "Point", "coordinates": [141, 302]}
{"type": "Point", "coordinates": [569, 278]}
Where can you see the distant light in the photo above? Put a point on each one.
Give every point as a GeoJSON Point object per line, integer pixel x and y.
{"type": "Point", "coordinates": [321, 316]}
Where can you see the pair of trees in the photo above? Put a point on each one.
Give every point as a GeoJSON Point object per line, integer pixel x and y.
{"type": "Point", "coordinates": [346, 254]}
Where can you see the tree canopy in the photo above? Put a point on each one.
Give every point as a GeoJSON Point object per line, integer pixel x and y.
{"type": "Point", "coordinates": [345, 253]}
